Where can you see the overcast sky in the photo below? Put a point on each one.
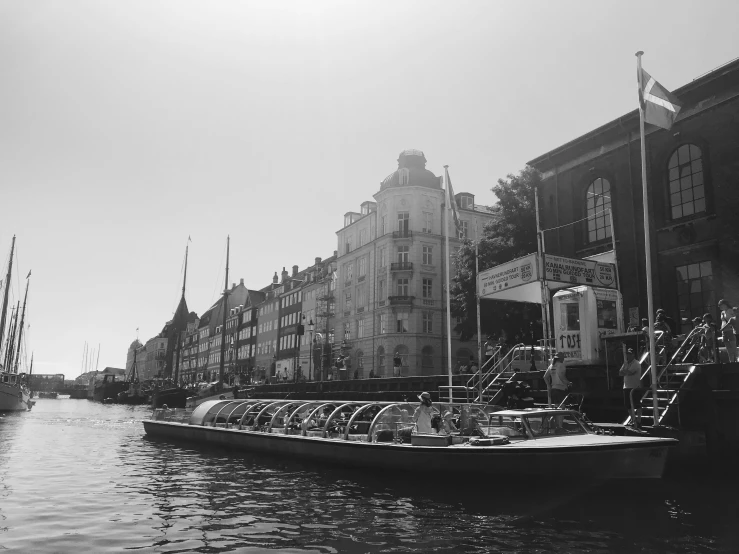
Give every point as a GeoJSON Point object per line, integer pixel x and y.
{"type": "Point", "coordinates": [127, 126]}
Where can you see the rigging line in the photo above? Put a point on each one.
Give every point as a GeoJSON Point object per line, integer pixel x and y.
{"type": "Point", "coordinates": [578, 221]}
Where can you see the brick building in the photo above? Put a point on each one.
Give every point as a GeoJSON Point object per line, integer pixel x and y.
{"type": "Point", "coordinates": [693, 179]}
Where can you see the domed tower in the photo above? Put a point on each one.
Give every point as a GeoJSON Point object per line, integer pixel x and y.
{"type": "Point", "coordinates": [411, 172]}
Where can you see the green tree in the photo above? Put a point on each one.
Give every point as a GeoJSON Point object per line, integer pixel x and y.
{"type": "Point", "coordinates": [510, 234]}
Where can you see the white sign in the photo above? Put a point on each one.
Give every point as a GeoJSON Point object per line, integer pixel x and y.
{"type": "Point", "coordinates": [579, 272]}
{"type": "Point", "coordinates": [508, 275]}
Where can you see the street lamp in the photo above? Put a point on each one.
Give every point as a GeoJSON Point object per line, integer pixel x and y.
{"type": "Point", "coordinates": [312, 349]}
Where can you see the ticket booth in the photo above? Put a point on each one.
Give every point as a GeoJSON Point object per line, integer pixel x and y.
{"type": "Point", "coordinates": [582, 316]}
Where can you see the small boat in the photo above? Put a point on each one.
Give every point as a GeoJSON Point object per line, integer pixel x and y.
{"type": "Point", "coordinates": [490, 441]}
{"type": "Point", "coordinates": [48, 394]}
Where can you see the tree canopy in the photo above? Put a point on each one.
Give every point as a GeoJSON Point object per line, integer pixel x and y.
{"type": "Point", "coordinates": [510, 234]}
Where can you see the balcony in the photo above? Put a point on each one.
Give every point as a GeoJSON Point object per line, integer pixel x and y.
{"type": "Point", "coordinates": [401, 300]}
{"type": "Point", "coordinates": [402, 234]}
{"type": "Point", "coordinates": [428, 301]}
{"type": "Point", "coordinates": [401, 266]}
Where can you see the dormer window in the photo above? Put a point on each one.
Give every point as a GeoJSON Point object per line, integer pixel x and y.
{"type": "Point", "coordinates": [467, 202]}
{"type": "Point", "coordinates": [347, 220]}
{"type": "Point", "coordinates": [404, 176]}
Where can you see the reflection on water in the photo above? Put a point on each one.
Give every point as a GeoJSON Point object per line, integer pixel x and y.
{"type": "Point", "coordinates": [75, 475]}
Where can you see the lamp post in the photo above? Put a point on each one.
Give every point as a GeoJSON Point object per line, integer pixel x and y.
{"type": "Point", "coordinates": [312, 348]}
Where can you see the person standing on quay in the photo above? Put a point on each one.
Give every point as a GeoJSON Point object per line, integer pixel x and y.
{"type": "Point", "coordinates": [728, 328]}
{"type": "Point", "coordinates": [556, 379]}
{"type": "Point", "coordinates": [631, 372]}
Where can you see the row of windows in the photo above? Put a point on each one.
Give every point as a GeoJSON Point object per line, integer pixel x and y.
{"type": "Point", "coordinates": [288, 341]}
{"type": "Point", "coordinates": [291, 299]}
{"type": "Point", "coordinates": [268, 308]}
{"type": "Point", "coordinates": [266, 347]}
{"type": "Point", "coordinates": [290, 319]}
{"type": "Point", "coordinates": [687, 193]}
{"type": "Point", "coordinates": [403, 225]}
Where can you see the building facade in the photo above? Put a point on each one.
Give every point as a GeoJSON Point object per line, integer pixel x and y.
{"type": "Point", "coordinates": [692, 176]}
{"type": "Point", "coordinates": [390, 294]}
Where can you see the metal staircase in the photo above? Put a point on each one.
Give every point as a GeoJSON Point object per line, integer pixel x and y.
{"type": "Point", "coordinates": [672, 383]}
{"type": "Point", "coordinates": [487, 385]}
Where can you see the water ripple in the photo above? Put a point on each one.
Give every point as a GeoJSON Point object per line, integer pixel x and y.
{"type": "Point", "coordinates": [75, 475]}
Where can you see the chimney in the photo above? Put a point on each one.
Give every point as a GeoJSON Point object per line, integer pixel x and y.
{"type": "Point", "coordinates": [284, 274]}
{"type": "Point", "coordinates": [241, 281]}
{"type": "Point", "coordinates": [275, 278]}
{"type": "Point", "coordinates": [336, 253]}
{"type": "Point", "coordinates": [295, 271]}
{"type": "Point", "coordinates": [233, 285]}
{"type": "Point", "coordinates": [318, 260]}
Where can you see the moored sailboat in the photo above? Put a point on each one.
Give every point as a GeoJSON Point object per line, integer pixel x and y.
{"type": "Point", "coordinates": [14, 392]}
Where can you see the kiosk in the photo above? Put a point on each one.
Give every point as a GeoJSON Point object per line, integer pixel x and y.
{"type": "Point", "coordinates": [582, 317]}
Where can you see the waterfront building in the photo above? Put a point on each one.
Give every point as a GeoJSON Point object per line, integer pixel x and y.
{"type": "Point", "coordinates": [290, 325]}
{"type": "Point", "coordinates": [136, 351]}
{"type": "Point", "coordinates": [246, 340]}
{"type": "Point", "coordinates": [692, 175]}
{"type": "Point", "coordinates": [237, 296]}
{"type": "Point", "coordinates": [391, 267]}
{"type": "Point", "coordinates": [155, 356]}
{"type": "Point", "coordinates": [188, 356]}
{"type": "Point", "coordinates": [268, 319]}
{"type": "Point", "coordinates": [318, 309]}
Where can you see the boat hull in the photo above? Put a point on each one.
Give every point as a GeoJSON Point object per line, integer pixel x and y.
{"type": "Point", "coordinates": [13, 398]}
{"type": "Point", "coordinates": [632, 458]}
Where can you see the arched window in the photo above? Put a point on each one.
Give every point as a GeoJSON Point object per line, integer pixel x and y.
{"type": "Point", "coordinates": [380, 360]}
{"type": "Point", "coordinates": [401, 351]}
{"type": "Point", "coordinates": [427, 356]}
{"type": "Point", "coordinates": [687, 190]}
{"type": "Point", "coordinates": [598, 206]}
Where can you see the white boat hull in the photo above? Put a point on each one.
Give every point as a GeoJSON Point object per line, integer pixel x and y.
{"type": "Point", "coordinates": [13, 398]}
{"type": "Point", "coordinates": [590, 456]}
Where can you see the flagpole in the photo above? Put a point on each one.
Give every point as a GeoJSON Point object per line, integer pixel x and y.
{"type": "Point", "coordinates": [647, 245]}
{"type": "Point", "coordinates": [477, 301]}
{"type": "Point", "coordinates": [448, 287]}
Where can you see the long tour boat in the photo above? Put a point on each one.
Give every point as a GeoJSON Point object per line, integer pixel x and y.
{"type": "Point", "coordinates": [474, 439]}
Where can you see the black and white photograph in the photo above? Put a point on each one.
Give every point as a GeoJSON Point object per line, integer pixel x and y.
{"type": "Point", "coordinates": [369, 277]}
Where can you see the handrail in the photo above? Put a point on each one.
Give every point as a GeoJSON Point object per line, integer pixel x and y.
{"type": "Point", "coordinates": [492, 358]}
{"type": "Point", "coordinates": [496, 367]}
{"type": "Point", "coordinates": [664, 371]}
{"type": "Point", "coordinates": [517, 349]}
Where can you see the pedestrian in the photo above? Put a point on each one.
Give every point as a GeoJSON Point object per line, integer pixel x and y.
{"type": "Point", "coordinates": [728, 328]}
{"type": "Point", "coordinates": [397, 362]}
{"type": "Point", "coordinates": [708, 353]}
{"type": "Point", "coordinates": [556, 379]}
{"type": "Point", "coordinates": [631, 372]}
{"type": "Point", "coordinates": [423, 414]}
{"type": "Point", "coordinates": [668, 320]}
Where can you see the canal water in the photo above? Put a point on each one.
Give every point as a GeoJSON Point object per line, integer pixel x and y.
{"type": "Point", "coordinates": [79, 476]}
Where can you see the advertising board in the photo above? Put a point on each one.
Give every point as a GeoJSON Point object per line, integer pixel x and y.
{"type": "Point", "coordinates": [508, 275]}
{"type": "Point", "coordinates": [579, 272]}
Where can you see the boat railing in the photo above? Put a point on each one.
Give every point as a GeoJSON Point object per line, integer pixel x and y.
{"type": "Point", "coordinates": [174, 415]}
{"type": "Point", "coordinates": [456, 394]}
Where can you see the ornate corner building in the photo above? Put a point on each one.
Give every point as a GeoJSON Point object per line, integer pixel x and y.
{"type": "Point", "coordinates": [391, 275]}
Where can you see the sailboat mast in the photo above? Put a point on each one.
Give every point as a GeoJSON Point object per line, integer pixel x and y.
{"type": "Point", "coordinates": [30, 371]}
{"type": "Point", "coordinates": [4, 359]}
{"type": "Point", "coordinates": [225, 310]}
{"type": "Point", "coordinates": [97, 364]}
{"type": "Point", "coordinates": [5, 296]}
{"type": "Point", "coordinates": [178, 346]}
{"type": "Point", "coordinates": [20, 329]}
{"type": "Point", "coordinates": [11, 339]}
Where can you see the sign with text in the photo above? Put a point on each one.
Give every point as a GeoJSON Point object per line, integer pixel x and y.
{"type": "Point", "coordinates": [579, 272]}
{"type": "Point", "coordinates": [508, 275]}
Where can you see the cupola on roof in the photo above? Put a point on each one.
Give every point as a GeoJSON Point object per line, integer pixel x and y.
{"type": "Point", "coordinates": [411, 172]}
